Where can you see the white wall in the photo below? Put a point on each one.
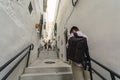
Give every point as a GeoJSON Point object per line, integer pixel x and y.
{"type": "Point", "coordinates": [99, 20]}
{"type": "Point", "coordinates": [63, 13]}
{"type": "Point", "coordinates": [17, 31]}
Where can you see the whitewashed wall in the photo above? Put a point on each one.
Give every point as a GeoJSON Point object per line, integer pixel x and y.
{"type": "Point", "coordinates": [99, 20]}
{"type": "Point", "coordinates": [65, 8]}
{"type": "Point", "coordinates": [17, 31]}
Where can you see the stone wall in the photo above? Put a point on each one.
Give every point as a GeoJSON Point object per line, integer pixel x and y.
{"type": "Point", "coordinates": [17, 31]}
{"type": "Point", "coordinates": [99, 20]}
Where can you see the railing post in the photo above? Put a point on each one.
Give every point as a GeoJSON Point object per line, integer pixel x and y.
{"type": "Point", "coordinates": [38, 52]}
{"type": "Point", "coordinates": [28, 58]}
{"type": "Point", "coordinates": [30, 48]}
{"type": "Point", "coordinates": [91, 77]}
{"type": "Point", "coordinates": [112, 76]}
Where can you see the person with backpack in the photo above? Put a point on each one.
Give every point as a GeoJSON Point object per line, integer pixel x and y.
{"type": "Point", "coordinates": [49, 45]}
{"type": "Point", "coordinates": [77, 52]}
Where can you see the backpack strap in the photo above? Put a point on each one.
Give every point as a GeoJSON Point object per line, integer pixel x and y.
{"type": "Point", "coordinates": [75, 35]}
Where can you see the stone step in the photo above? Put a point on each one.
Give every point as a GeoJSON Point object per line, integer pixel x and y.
{"type": "Point", "coordinates": [47, 69]}
{"type": "Point", "coordinates": [48, 76]}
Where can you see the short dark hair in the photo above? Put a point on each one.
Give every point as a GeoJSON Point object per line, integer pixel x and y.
{"type": "Point", "coordinates": [74, 28]}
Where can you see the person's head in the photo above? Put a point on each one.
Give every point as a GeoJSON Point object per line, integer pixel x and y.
{"type": "Point", "coordinates": [74, 29]}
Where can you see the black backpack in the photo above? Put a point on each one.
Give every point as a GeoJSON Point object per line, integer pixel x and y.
{"type": "Point", "coordinates": [78, 49]}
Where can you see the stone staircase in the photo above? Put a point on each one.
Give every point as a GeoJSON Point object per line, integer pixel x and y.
{"type": "Point", "coordinates": [48, 69]}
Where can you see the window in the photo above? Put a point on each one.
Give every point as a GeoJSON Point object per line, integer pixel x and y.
{"type": "Point", "coordinates": [30, 7]}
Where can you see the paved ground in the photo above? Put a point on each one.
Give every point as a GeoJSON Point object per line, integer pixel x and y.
{"type": "Point", "coordinates": [48, 56]}
{"type": "Point", "coordinates": [48, 67]}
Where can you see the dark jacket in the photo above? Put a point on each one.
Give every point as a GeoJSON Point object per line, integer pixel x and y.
{"type": "Point", "coordinates": [78, 50]}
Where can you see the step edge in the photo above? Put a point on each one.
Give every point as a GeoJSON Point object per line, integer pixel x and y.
{"type": "Point", "coordinates": [45, 74]}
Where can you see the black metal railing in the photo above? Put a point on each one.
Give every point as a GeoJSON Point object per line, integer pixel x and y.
{"type": "Point", "coordinates": [28, 50]}
{"type": "Point", "coordinates": [113, 74]}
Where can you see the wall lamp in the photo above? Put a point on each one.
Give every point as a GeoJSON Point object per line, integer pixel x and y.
{"type": "Point", "coordinates": [74, 2]}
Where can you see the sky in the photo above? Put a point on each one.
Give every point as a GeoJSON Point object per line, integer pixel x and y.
{"type": "Point", "coordinates": [51, 9]}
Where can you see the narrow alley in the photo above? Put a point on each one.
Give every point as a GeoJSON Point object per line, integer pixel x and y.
{"type": "Point", "coordinates": [59, 40]}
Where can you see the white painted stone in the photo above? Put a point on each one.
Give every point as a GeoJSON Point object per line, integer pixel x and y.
{"type": "Point", "coordinates": [47, 76]}
{"type": "Point", "coordinates": [40, 70]}
{"type": "Point", "coordinates": [99, 20]}
{"type": "Point", "coordinates": [47, 69]}
{"type": "Point", "coordinates": [17, 31]}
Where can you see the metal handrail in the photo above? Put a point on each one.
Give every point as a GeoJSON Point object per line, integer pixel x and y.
{"type": "Point", "coordinates": [103, 78]}
{"type": "Point", "coordinates": [112, 73]}
{"type": "Point", "coordinates": [30, 47]}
